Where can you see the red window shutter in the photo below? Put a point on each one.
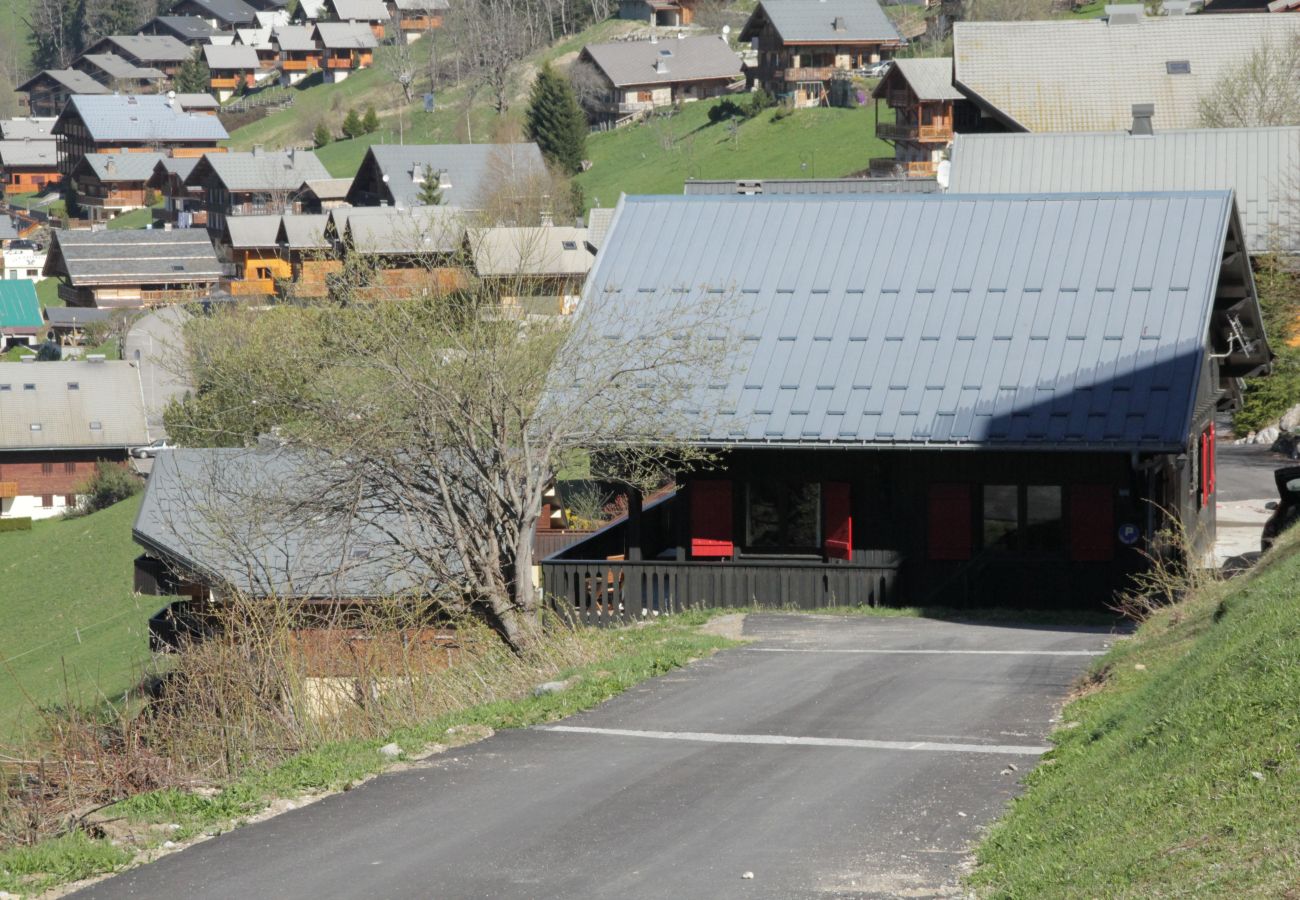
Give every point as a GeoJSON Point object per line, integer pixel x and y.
{"type": "Point", "coordinates": [1214, 460]}
{"type": "Point", "coordinates": [711, 515]}
{"type": "Point", "coordinates": [1092, 522]}
{"type": "Point", "coordinates": [949, 521]}
{"type": "Point", "coordinates": [838, 512]}
{"type": "Point", "coordinates": [1205, 468]}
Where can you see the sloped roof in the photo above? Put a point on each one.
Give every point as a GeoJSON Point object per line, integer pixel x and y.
{"type": "Point", "coordinates": [423, 5]}
{"type": "Point", "coordinates": [598, 222]}
{"type": "Point", "coordinates": [304, 231]}
{"type": "Point", "coordinates": [543, 250]}
{"type": "Point", "coordinates": [116, 67]}
{"type": "Point", "coordinates": [112, 167]}
{"type": "Point", "coordinates": [394, 230]}
{"type": "Point", "coordinates": [147, 256]}
{"type": "Point", "coordinates": [1051, 321]}
{"type": "Point", "coordinates": [294, 37]}
{"type": "Point", "coordinates": [19, 306]}
{"type": "Point", "coordinates": [232, 56]}
{"type": "Point", "coordinates": [929, 79]}
{"type": "Point", "coordinates": [252, 232]}
{"type": "Point", "coordinates": [359, 10]}
{"type": "Point", "coordinates": [8, 231]}
{"type": "Point", "coordinates": [73, 80]}
{"type": "Point", "coordinates": [26, 129]}
{"type": "Point", "coordinates": [232, 12]}
{"type": "Point", "coordinates": [197, 101]}
{"type": "Point", "coordinates": [246, 518]}
{"type": "Point", "coordinates": [1259, 164]}
{"type": "Point", "coordinates": [189, 28]}
{"type": "Point", "coordinates": [147, 48]}
{"type": "Point", "coordinates": [807, 21]}
{"type": "Point", "coordinates": [345, 35]}
{"type": "Point", "coordinates": [761, 186]}
{"type": "Point", "coordinates": [180, 166]}
{"type": "Point", "coordinates": [311, 9]}
{"type": "Point", "coordinates": [258, 38]}
{"type": "Point", "coordinates": [1087, 75]}
{"type": "Point", "coordinates": [284, 170]}
{"type": "Point", "coordinates": [140, 117]}
{"type": "Point", "coordinates": [34, 154]}
{"type": "Point", "coordinates": [470, 169]}
{"type": "Point", "coordinates": [327, 189]}
{"type": "Point", "coordinates": [76, 316]}
{"type": "Point", "coordinates": [683, 59]}
{"type": "Point", "coordinates": [107, 394]}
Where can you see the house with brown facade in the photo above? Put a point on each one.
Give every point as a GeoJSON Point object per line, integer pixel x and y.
{"type": "Point", "coordinates": [537, 270]}
{"type": "Point", "coordinates": [407, 251]}
{"type": "Point", "coordinates": [803, 45]}
{"type": "Point", "coordinates": [251, 244]}
{"type": "Point", "coordinates": [927, 110]}
{"type": "Point", "coordinates": [231, 69]}
{"type": "Point", "coordinates": [416, 17]}
{"type": "Point", "coordinates": [298, 54]}
{"type": "Point", "coordinates": [373, 13]}
{"type": "Point", "coordinates": [132, 124]}
{"type": "Point", "coordinates": [105, 185]}
{"type": "Point", "coordinates": [130, 269]}
{"type": "Point", "coordinates": [46, 93]}
{"type": "Point", "coordinates": [639, 76]}
{"type": "Point", "coordinates": [254, 183]}
{"type": "Point", "coordinates": [662, 13]}
{"type": "Point", "coordinates": [120, 74]}
{"type": "Point", "coordinates": [28, 164]}
{"type": "Point", "coordinates": [182, 204]}
{"type": "Point", "coordinates": [309, 252]}
{"type": "Point", "coordinates": [147, 51]}
{"type": "Point", "coordinates": [346, 47]}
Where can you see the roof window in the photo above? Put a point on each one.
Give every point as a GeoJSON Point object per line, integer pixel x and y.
{"type": "Point", "coordinates": [36, 426]}
{"type": "Point", "coordinates": [74, 386]}
{"type": "Point", "coordinates": [6, 387]}
{"type": "Point", "coordinates": [96, 425]}
{"type": "Point", "coordinates": [29, 387]}
{"type": "Point", "coordinates": [570, 245]}
{"type": "Point", "coordinates": [1178, 67]}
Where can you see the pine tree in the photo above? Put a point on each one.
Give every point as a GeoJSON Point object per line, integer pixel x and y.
{"type": "Point", "coordinates": [371, 121]}
{"type": "Point", "coordinates": [556, 122]}
{"type": "Point", "coordinates": [321, 136]}
{"type": "Point", "coordinates": [193, 76]}
{"type": "Point", "coordinates": [431, 191]}
{"type": "Point", "coordinates": [352, 126]}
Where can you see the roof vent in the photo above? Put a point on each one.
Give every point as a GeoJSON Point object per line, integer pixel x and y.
{"type": "Point", "coordinates": [1178, 66]}
{"type": "Point", "coordinates": [96, 357]}
{"type": "Point", "coordinates": [258, 149]}
{"type": "Point", "coordinates": [661, 66]}
{"type": "Point", "coordinates": [1124, 13]}
{"type": "Point", "coordinates": [1143, 113]}
{"type": "Point", "coordinates": [838, 24]}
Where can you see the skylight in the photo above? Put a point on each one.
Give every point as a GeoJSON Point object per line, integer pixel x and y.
{"type": "Point", "coordinates": [1178, 67]}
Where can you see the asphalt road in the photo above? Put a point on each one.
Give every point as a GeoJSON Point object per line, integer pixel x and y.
{"type": "Point", "coordinates": [832, 757]}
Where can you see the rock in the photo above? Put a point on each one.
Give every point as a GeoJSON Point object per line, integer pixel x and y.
{"type": "Point", "coordinates": [172, 827]}
{"type": "Point", "coordinates": [1012, 767]}
{"type": "Point", "coordinates": [1139, 667]}
{"type": "Point", "coordinates": [1267, 435]}
{"type": "Point", "coordinates": [1290, 418]}
{"type": "Point", "coordinates": [748, 876]}
{"type": "Point", "coordinates": [392, 751]}
{"type": "Point", "coordinates": [1258, 776]}
{"type": "Point", "coordinates": [550, 687]}
{"type": "Point", "coordinates": [167, 845]}
{"type": "Point", "coordinates": [962, 814]}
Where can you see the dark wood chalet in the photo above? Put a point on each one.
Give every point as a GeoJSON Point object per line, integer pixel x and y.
{"type": "Point", "coordinates": [928, 111]}
{"type": "Point", "coordinates": [132, 124]}
{"type": "Point", "coordinates": [1003, 400]}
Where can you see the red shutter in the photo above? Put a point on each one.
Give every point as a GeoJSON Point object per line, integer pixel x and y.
{"type": "Point", "coordinates": [949, 521]}
{"type": "Point", "coordinates": [1214, 460]}
{"type": "Point", "coordinates": [1092, 522]}
{"type": "Point", "coordinates": [838, 512]}
{"type": "Point", "coordinates": [1205, 467]}
{"type": "Point", "coordinates": [711, 513]}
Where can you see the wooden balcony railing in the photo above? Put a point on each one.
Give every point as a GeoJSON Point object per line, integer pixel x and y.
{"type": "Point", "coordinates": [300, 65]}
{"type": "Point", "coordinates": [335, 62]}
{"type": "Point", "coordinates": [224, 82]}
{"type": "Point", "coordinates": [922, 134]}
{"type": "Point", "coordinates": [889, 167]}
{"type": "Point", "coordinates": [806, 73]}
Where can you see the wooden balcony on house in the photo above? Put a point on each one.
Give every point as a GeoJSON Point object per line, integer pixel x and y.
{"type": "Point", "coordinates": [889, 167]}
{"type": "Point", "coordinates": [224, 82]}
{"type": "Point", "coordinates": [338, 62]}
{"type": "Point", "coordinates": [301, 65]}
{"type": "Point", "coordinates": [251, 287]}
{"type": "Point", "coordinates": [921, 134]}
{"type": "Point", "coordinates": [806, 73]}
{"type": "Point", "coordinates": [420, 23]}
{"type": "Point", "coordinates": [8, 490]}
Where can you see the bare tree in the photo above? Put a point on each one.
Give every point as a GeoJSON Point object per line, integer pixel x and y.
{"type": "Point", "coordinates": [398, 61]}
{"type": "Point", "coordinates": [52, 26]}
{"type": "Point", "coordinates": [592, 89]}
{"type": "Point", "coordinates": [492, 41]}
{"type": "Point", "coordinates": [1263, 90]}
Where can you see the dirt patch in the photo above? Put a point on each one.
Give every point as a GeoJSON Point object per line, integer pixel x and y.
{"type": "Point", "coordinates": [731, 627]}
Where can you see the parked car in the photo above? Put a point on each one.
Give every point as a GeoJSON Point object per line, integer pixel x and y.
{"type": "Point", "coordinates": [1286, 509]}
{"type": "Point", "coordinates": [878, 70]}
{"type": "Point", "coordinates": [150, 450]}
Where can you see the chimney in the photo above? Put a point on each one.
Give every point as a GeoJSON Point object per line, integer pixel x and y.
{"type": "Point", "coordinates": [838, 24]}
{"type": "Point", "coordinates": [661, 66]}
{"type": "Point", "coordinates": [1142, 115]}
{"type": "Point", "coordinates": [110, 166]}
{"type": "Point", "coordinates": [291, 157]}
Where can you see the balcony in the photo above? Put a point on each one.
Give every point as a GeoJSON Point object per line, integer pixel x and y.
{"type": "Point", "coordinates": [300, 65]}
{"type": "Point", "coordinates": [335, 62]}
{"type": "Point", "coordinates": [222, 83]}
{"type": "Point", "coordinates": [921, 134]}
{"type": "Point", "coordinates": [805, 73]}
{"type": "Point", "coordinates": [888, 167]}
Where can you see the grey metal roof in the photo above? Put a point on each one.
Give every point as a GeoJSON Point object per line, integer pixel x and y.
{"type": "Point", "coordinates": [1054, 321]}
{"type": "Point", "coordinates": [76, 316]}
{"type": "Point", "coordinates": [232, 12]}
{"type": "Point", "coordinates": [556, 250]}
{"type": "Point", "coordinates": [26, 129]}
{"type": "Point", "coordinates": [359, 10]}
{"type": "Point", "coordinates": [345, 35]}
{"type": "Point", "coordinates": [258, 38]}
{"type": "Point", "coordinates": [1087, 75]}
{"type": "Point", "coordinates": [423, 5]}
{"type": "Point", "coordinates": [809, 186]}
{"type": "Point", "coordinates": [245, 518]}
{"type": "Point", "coordinates": [305, 231]}
{"type": "Point", "coordinates": [188, 28]}
{"type": "Point", "coordinates": [111, 167]}
{"type": "Point", "coordinates": [115, 67]}
{"type": "Point", "coordinates": [107, 393]}
{"type": "Point", "coordinates": [196, 101]}
{"type": "Point", "coordinates": [814, 21]}
{"type": "Point", "coordinates": [233, 56]}
{"type": "Point", "coordinates": [146, 256]}
{"type": "Point", "coordinates": [1259, 164]}
{"type": "Point", "coordinates": [294, 37]}
{"type": "Point", "coordinates": [470, 169]}
{"type": "Point", "coordinates": [146, 48]}
{"type": "Point", "coordinates": [140, 117]}
{"type": "Point", "coordinates": [683, 59]}
{"type": "Point", "coordinates": [180, 166]}
{"type": "Point", "coordinates": [252, 232]}
{"type": "Point", "coordinates": [260, 170]}
{"type": "Point", "coordinates": [929, 78]}
{"type": "Point", "coordinates": [8, 231]}
{"type": "Point", "coordinates": [73, 80]}
{"type": "Point", "coordinates": [394, 230]}
{"type": "Point", "coordinates": [29, 153]}
{"type": "Point", "coordinates": [328, 189]}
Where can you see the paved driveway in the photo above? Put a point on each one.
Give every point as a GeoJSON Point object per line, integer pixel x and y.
{"type": "Point", "coordinates": [832, 757]}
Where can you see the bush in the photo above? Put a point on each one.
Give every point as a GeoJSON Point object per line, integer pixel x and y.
{"type": "Point", "coordinates": [111, 483]}
{"type": "Point", "coordinates": [725, 110]}
{"type": "Point", "coordinates": [370, 123]}
{"type": "Point", "coordinates": [22, 523]}
{"type": "Point", "coordinates": [759, 101]}
{"type": "Point", "coordinates": [321, 136]}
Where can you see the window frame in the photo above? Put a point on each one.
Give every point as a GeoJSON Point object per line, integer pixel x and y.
{"type": "Point", "coordinates": [1018, 547]}
{"type": "Point", "coordinates": [812, 551]}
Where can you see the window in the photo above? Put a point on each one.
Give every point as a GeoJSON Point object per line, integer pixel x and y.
{"type": "Point", "coordinates": [6, 387]}
{"type": "Point", "coordinates": [783, 515]}
{"type": "Point", "coordinates": [29, 387]}
{"type": "Point", "coordinates": [47, 468]}
{"type": "Point", "coordinates": [1044, 518]}
{"type": "Point", "coordinates": [1178, 67]}
{"type": "Point", "coordinates": [1001, 516]}
{"type": "Point", "coordinates": [96, 426]}
{"type": "Point", "coordinates": [74, 386]}
{"type": "Point", "coordinates": [69, 467]}
{"type": "Point", "coordinates": [69, 499]}
{"type": "Point", "coordinates": [47, 501]}
{"type": "Point", "coordinates": [569, 245]}
{"type": "Point", "coordinates": [1023, 518]}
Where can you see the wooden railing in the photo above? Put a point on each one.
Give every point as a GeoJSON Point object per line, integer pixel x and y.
{"type": "Point", "coordinates": [925, 134]}
{"type": "Point", "coordinates": [596, 592]}
{"type": "Point", "coordinates": [335, 62]}
{"type": "Point", "coordinates": [888, 167]}
{"type": "Point", "coordinates": [806, 73]}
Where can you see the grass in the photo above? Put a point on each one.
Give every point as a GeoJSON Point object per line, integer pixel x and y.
{"type": "Point", "coordinates": [1179, 776]}
{"type": "Point", "coordinates": [657, 156]}
{"type": "Point", "coordinates": [136, 218]}
{"type": "Point", "coordinates": [47, 292]}
{"type": "Point", "coordinates": [73, 629]}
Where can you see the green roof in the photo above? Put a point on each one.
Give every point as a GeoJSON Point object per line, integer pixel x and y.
{"type": "Point", "coordinates": [19, 307]}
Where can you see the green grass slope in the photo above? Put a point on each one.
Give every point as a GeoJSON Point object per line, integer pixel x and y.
{"type": "Point", "coordinates": [73, 629]}
{"type": "Point", "coordinates": [1180, 777]}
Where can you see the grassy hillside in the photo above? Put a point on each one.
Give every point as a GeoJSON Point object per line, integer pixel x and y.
{"type": "Point", "coordinates": [1180, 776]}
{"type": "Point", "coordinates": [72, 626]}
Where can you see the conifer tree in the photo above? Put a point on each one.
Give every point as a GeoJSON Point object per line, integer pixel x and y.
{"type": "Point", "coordinates": [431, 191]}
{"type": "Point", "coordinates": [321, 136]}
{"type": "Point", "coordinates": [352, 126]}
{"type": "Point", "coordinates": [556, 122]}
{"type": "Point", "coordinates": [371, 121]}
{"type": "Point", "coordinates": [193, 76]}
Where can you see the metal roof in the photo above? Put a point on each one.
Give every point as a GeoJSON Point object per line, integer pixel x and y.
{"type": "Point", "coordinates": [32, 154]}
{"type": "Point", "coordinates": [140, 117]}
{"type": "Point", "coordinates": [1051, 321]}
{"type": "Point", "coordinates": [146, 48]}
{"type": "Point", "coordinates": [809, 186]}
{"type": "Point", "coordinates": [470, 170]}
{"type": "Point", "coordinates": [146, 256]}
{"type": "Point", "coordinates": [816, 21]}
{"type": "Point", "coordinates": [304, 231]}
{"type": "Point", "coordinates": [252, 232]}
{"type": "Point", "coordinates": [8, 231]}
{"type": "Point", "coordinates": [246, 518]}
{"type": "Point", "coordinates": [258, 38]}
{"type": "Point", "coordinates": [682, 59]}
{"type": "Point", "coordinates": [1259, 164]}
{"type": "Point", "coordinates": [232, 56]}
{"type": "Point", "coordinates": [106, 394]}
{"type": "Point", "coordinates": [180, 166]}
{"type": "Point", "coordinates": [294, 38]}
{"type": "Point", "coordinates": [260, 170]}
{"type": "Point", "coordinates": [76, 316]}
{"type": "Point", "coordinates": [1087, 75]}
{"type": "Point", "coordinates": [188, 28]}
{"type": "Point", "coordinates": [598, 222]}
{"type": "Point", "coordinates": [117, 68]}
{"type": "Point", "coordinates": [110, 167]}
{"type": "Point", "coordinates": [26, 129]}
{"type": "Point", "coordinates": [197, 101]}
{"type": "Point", "coordinates": [327, 189]}
{"type": "Point", "coordinates": [359, 10]}
{"type": "Point", "coordinates": [929, 79]}
{"type": "Point", "coordinates": [19, 307]}
{"type": "Point", "coordinates": [231, 12]}
{"type": "Point", "coordinates": [72, 80]}
{"type": "Point", "coordinates": [394, 230]}
{"type": "Point", "coordinates": [542, 250]}
{"type": "Point", "coordinates": [423, 5]}
{"type": "Point", "coordinates": [345, 35]}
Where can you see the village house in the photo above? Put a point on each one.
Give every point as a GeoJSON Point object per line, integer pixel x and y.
{"type": "Point", "coordinates": [416, 17]}
{"type": "Point", "coordinates": [407, 251]}
{"type": "Point", "coordinates": [345, 47]}
{"type": "Point", "coordinates": [260, 39]}
{"type": "Point", "coordinates": [309, 252]}
{"type": "Point", "coordinates": [298, 53]}
{"type": "Point", "coordinates": [114, 72]}
{"type": "Point", "coordinates": [20, 258]}
{"type": "Point", "coordinates": [1012, 411]}
{"type": "Point", "coordinates": [105, 185]}
{"type": "Point", "coordinates": [68, 324]}
{"type": "Point", "coordinates": [323, 194]}
{"type": "Point", "coordinates": [251, 243]}
{"type": "Point", "coordinates": [162, 52]}
{"type": "Point", "coordinates": [132, 124]}
{"type": "Point", "coordinates": [467, 173]}
{"type": "Point", "coordinates": [928, 111]}
{"type": "Point", "coordinates": [254, 183]}
{"type": "Point", "coordinates": [641, 75]}
{"type": "Point", "coordinates": [222, 15]}
{"type": "Point", "coordinates": [1252, 162]}
{"type": "Point", "coordinates": [1026, 76]}
{"type": "Point", "coordinates": [197, 103]}
{"type": "Point", "coordinates": [662, 13]}
{"type": "Point", "coordinates": [28, 164]}
{"type": "Point", "coordinates": [373, 13]}
{"type": "Point", "coordinates": [537, 270]}
{"type": "Point", "coordinates": [803, 46]}
{"type": "Point", "coordinates": [20, 313]}
{"type": "Point", "coordinates": [129, 269]}
{"type": "Point", "coordinates": [57, 420]}
{"type": "Point", "coordinates": [232, 69]}
{"type": "Point", "coordinates": [192, 31]}
{"type": "Point", "coordinates": [46, 93]}
{"type": "Point", "coordinates": [182, 205]}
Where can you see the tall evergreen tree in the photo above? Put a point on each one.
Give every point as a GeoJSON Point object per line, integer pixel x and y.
{"type": "Point", "coordinates": [431, 191]}
{"type": "Point", "coordinates": [193, 76]}
{"type": "Point", "coordinates": [352, 126]}
{"type": "Point", "coordinates": [370, 121]}
{"type": "Point", "coordinates": [556, 122]}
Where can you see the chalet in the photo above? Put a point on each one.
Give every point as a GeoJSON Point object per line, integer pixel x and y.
{"type": "Point", "coordinates": [1252, 162]}
{"type": "Point", "coordinates": [417, 17]}
{"type": "Point", "coordinates": [466, 173]}
{"type": "Point", "coordinates": [1025, 76]}
{"type": "Point", "coordinates": [222, 15]}
{"type": "Point", "coordinates": [298, 53]}
{"type": "Point", "coordinates": [252, 245]}
{"type": "Point", "coordinates": [232, 69]}
{"type": "Point", "coordinates": [757, 187]}
{"type": "Point", "coordinates": [20, 313]}
{"type": "Point", "coordinates": [927, 112]}
{"type": "Point", "coordinates": [323, 194]}
{"type": "Point", "coordinates": [1004, 403]}
{"type": "Point", "coordinates": [373, 13]}
{"type": "Point", "coordinates": [407, 251]}
{"type": "Point", "coordinates": [113, 71]}
{"type": "Point", "coordinates": [182, 204]}
{"type": "Point", "coordinates": [260, 38]}
{"type": "Point", "coordinates": [197, 103]}
{"type": "Point", "coordinates": [641, 75]}
{"type": "Point", "coordinates": [21, 260]}
{"type": "Point", "coordinates": [162, 52]}
{"type": "Point", "coordinates": [537, 270]}
{"type": "Point", "coordinates": [47, 91]}
{"type": "Point", "coordinates": [802, 46]}
{"type": "Point", "coordinates": [57, 420]}
{"type": "Point", "coordinates": [345, 48]}
{"type": "Point", "coordinates": [190, 30]}
{"type": "Point", "coordinates": [310, 254]}
{"type": "Point", "coordinates": [255, 183]}
{"type": "Point", "coordinates": [108, 184]}
{"type": "Point", "coordinates": [129, 269]}
{"type": "Point", "coordinates": [68, 324]}
{"type": "Point", "coordinates": [663, 13]}
{"type": "Point", "coordinates": [132, 124]}
{"type": "Point", "coordinates": [28, 164]}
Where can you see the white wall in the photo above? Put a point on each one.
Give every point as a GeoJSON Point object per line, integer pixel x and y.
{"type": "Point", "coordinates": [23, 506]}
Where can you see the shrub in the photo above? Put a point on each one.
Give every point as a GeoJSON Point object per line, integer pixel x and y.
{"type": "Point", "coordinates": [22, 523]}
{"type": "Point", "coordinates": [727, 109]}
{"type": "Point", "coordinates": [759, 101]}
{"type": "Point", "coordinates": [370, 123]}
{"type": "Point", "coordinates": [111, 483]}
{"type": "Point", "coordinates": [352, 125]}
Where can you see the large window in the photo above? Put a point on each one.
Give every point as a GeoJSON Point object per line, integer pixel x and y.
{"type": "Point", "coordinates": [783, 515]}
{"type": "Point", "coordinates": [1023, 518]}
{"type": "Point", "coordinates": [1001, 516]}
